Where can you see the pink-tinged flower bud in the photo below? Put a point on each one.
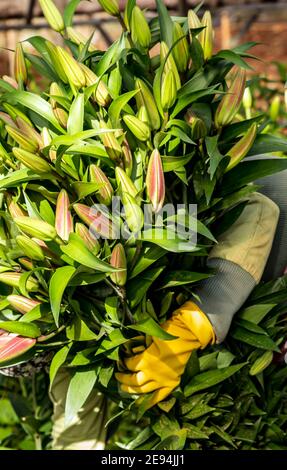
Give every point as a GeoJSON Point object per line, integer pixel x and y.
{"type": "Point", "coordinates": [13, 346]}
{"type": "Point", "coordinates": [7, 119]}
{"type": "Point", "coordinates": [64, 220]}
{"type": "Point", "coordinates": [231, 101]}
{"type": "Point", "coordinates": [20, 67]}
{"type": "Point", "coordinates": [99, 224]}
{"type": "Point", "coordinates": [14, 209]}
{"type": "Point", "coordinates": [13, 279]}
{"type": "Point", "coordinates": [26, 263]}
{"type": "Point", "coordinates": [91, 242]}
{"type": "Point", "coordinates": [105, 193]}
{"type": "Point", "coordinates": [155, 183]}
{"type": "Point", "coordinates": [127, 158]}
{"type": "Point", "coordinates": [119, 260]}
{"type": "Point", "coordinates": [110, 143]}
{"type": "Point", "coordinates": [11, 81]}
{"type": "Point", "coordinates": [242, 147]}
{"type": "Point", "coordinates": [29, 131]}
{"type": "Point", "coordinates": [21, 139]}
{"type": "Point", "coordinates": [22, 304]}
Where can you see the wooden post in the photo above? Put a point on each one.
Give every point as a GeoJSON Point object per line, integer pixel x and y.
{"type": "Point", "coordinates": [225, 27]}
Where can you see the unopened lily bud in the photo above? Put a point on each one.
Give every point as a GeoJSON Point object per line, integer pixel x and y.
{"type": "Point", "coordinates": [115, 81]}
{"type": "Point", "coordinates": [111, 144]}
{"type": "Point", "coordinates": [14, 209]}
{"type": "Point", "coordinates": [119, 260]}
{"type": "Point", "coordinates": [105, 193]}
{"type": "Point", "coordinates": [32, 161]}
{"type": "Point", "coordinates": [47, 139]}
{"type": "Point", "coordinates": [138, 128]}
{"type": "Point", "coordinates": [101, 94]}
{"type": "Point", "coordinates": [127, 158]}
{"type": "Point", "coordinates": [247, 98]}
{"type": "Point", "coordinates": [29, 131]}
{"type": "Point", "coordinates": [91, 242]}
{"type": "Point", "coordinates": [20, 67]}
{"type": "Point", "coordinates": [145, 98]}
{"type": "Point", "coordinates": [143, 115]}
{"type": "Point", "coordinates": [98, 222]}
{"type": "Point", "coordinates": [206, 36]}
{"type": "Point", "coordinates": [20, 138]}
{"type": "Point", "coordinates": [78, 38]}
{"type": "Point", "coordinates": [242, 147]}
{"type": "Point", "coordinates": [26, 263]}
{"type": "Point", "coordinates": [71, 68]}
{"type": "Point", "coordinates": [110, 6]}
{"type": "Point", "coordinates": [231, 101]}
{"type": "Point", "coordinates": [193, 21]}
{"type": "Point", "coordinates": [36, 228]}
{"type": "Point", "coordinates": [169, 63]}
{"type": "Point", "coordinates": [180, 51]}
{"type": "Point", "coordinates": [11, 81]}
{"type": "Point", "coordinates": [133, 214]}
{"type": "Point", "coordinates": [198, 127]}
{"type": "Point", "coordinates": [30, 248]}
{"type": "Point", "coordinates": [275, 108]}
{"type": "Point", "coordinates": [125, 184]}
{"type": "Point", "coordinates": [139, 27]}
{"type": "Point", "coordinates": [13, 279]}
{"type": "Point", "coordinates": [7, 120]}
{"type": "Point", "coordinates": [57, 65]}
{"type": "Point", "coordinates": [22, 304]}
{"type": "Point", "coordinates": [63, 219]}
{"type": "Point", "coordinates": [52, 15]}
{"type": "Point", "coordinates": [155, 183]}
{"type": "Point", "coordinates": [168, 90]}
{"type": "Point", "coordinates": [60, 113]}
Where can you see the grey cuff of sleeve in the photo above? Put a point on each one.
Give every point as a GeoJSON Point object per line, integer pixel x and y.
{"type": "Point", "coordinates": [222, 295]}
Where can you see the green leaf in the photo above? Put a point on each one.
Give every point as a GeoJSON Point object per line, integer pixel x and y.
{"type": "Point", "coordinates": [210, 378]}
{"type": "Point", "coordinates": [79, 331]}
{"type": "Point", "coordinates": [118, 105]}
{"type": "Point", "coordinates": [28, 330]}
{"type": "Point", "coordinates": [149, 256]}
{"type": "Point", "coordinates": [58, 284]}
{"type": "Point", "coordinates": [69, 12]}
{"type": "Point", "coordinates": [83, 189]}
{"type": "Point", "coordinates": [57, 362]}
{"type": "Point", "coordinates": [79, 137]}
{"type": "Point", "coordinates": [20, 176]}
{"type": "Point", "coordinates": [256, 340]}
{"type": "Point", "coordinates": [77, 250]}
{"type": "Point", "coordinates": [180, 277]}
{"type": "Point", "coordinates": [165, 23]}
{"type": "Point", "coordinates": [249, 170]}
{"type": "Point", "coordinates": [199, 410]}
{"type": "Point", "coordinates": [150, 327]}
{"type": "Point", "coordinates": [75, 122]}
{"type": "Point", "coordinates": [267, 143]}
{"type": "Point", "coordinates": [193, 432]}
{"type": "Point", "coordinates": [213, 153]}
{"type": "Point", "coordinates": [173, 163]}
{"type": "Point", "coordinates": [255, 313]}
{"type": "Point", "coordinates": [114, 339]}
{"type": "Point", "coordinates": [231, 56]}
{"type": "Point", "coordinates": [80, 387]}
{"type": "Point", "coordinates": [36, 104]}
{"type": "Point", "coordinates": [169, 240]}
{"type": "Point", "coordinates": [137, 287]}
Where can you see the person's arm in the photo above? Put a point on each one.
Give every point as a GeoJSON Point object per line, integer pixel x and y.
{"type": "Point", "coordinates": [239, 259]}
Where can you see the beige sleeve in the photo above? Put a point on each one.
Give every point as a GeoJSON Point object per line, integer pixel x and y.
{"type": "Point", "coordinates": [87, 431]}
{"type": "Point", "coordinates": [248, 241]}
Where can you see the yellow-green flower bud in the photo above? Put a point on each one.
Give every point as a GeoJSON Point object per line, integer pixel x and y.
{"type": "Point", "coordinates": [30, 248]}
{"type": "Point", "coordinates": [21, 139]}
{"type": "Point", "coordinates": [91, 242]}
{"type": "Point", "coordinates": [145, 98]}
{"type": "Point", "coordinates": [78, 38]}
{"type": "Point", "coordinates": [168, 90]}
{"type": "Point", "coordinates": [206, 36]}
{"type": "Point", "coordinates": [275, 108]}
{"type": "Point", "coordinates": [231, 101]}
{"type": "Point", "coordinates": [32, 161]}
{"type": "Point", "coordinates": [110, 6]}
{"type": "Point", "coordinates": [52, 15]}
{"type": "Point", "coordinates": [125, 184]}
{"type": "Point", "coordinates": [20, 67]}
{"type": "Point", "coordinates": [111, 143]}
{"type": "Point", "coordinates": [168, 60]}
{"type": "Point", "coordinates": [180, 51]}
{"type": "Point", "coordinates": [101, 94]}
{"type": "Point", "coordinates": [36, 228]}
{"type": "Point", "coordinates": [13, 279]}
{"type": "Point", "coordinates": [139, 27]}
{"type": "Point", "coordinates": [57, 65]}
{"type": "Point", "coordinates": [242, 147]}
{"type": "Point", "coordinates": [71, 68]}
{"type": "Point", "coordinates": [133, 214]}
{"type": "Point", "coordinates": [138, 128]}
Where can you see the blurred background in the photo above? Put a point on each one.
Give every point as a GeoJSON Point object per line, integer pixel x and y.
{"type": "Point", "coordinates": [236, 21]}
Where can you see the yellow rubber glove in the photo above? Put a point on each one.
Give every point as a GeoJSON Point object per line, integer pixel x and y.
{"type": "Point", "coordinates": [159, 367]}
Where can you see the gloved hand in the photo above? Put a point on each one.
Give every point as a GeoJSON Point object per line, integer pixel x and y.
{"type": "Point", "coordinates": [160, 366]}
